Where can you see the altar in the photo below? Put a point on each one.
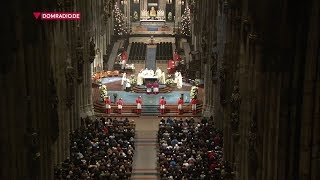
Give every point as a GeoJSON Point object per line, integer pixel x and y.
{"type": "Point", "coordinates": [152, 22]}
{"type": "Point", "coordinates": [151, 79]}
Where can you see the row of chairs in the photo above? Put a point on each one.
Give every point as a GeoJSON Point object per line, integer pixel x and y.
{"type": "Point", "coordinates": [138, 51]}
{"type": "Point", "coordinates": [164, 51]}
{"type": "Point", "coordinates": [106, 74]}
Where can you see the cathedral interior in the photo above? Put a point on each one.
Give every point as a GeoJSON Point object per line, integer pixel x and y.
{"type": "Point", "coordinates": [255, 65]}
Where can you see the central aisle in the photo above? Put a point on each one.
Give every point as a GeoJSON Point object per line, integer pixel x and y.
{"type": "Point", "coordinates": [151, 57]}
{"type": "Point", "coordinates": [145, 156]}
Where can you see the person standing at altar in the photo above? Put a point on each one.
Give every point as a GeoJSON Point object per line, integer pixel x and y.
{"type": "Point", "coordinates": [162, 105]}
{"type": "Point", "coordinates": [176, 74]}
{"type": "Point", "coordinates": [124, 59]}
{"type": "Point", "coordinates": [155, 87]}
{"type": "Point", "coordinates": [120, 104]}
{"type": "Point", "coordinates": [149, 87]}
{"type": "Point", "coordinates": [180, 103]}
{"type": "Point", "coordinates": [158, 73]}
{"type": "Point", "coordinates": [124, 76]}
{"type": "Point", "coordinates": [176, 57]}
{"type": "Point", "coordinates": [163, 78]}
{"type": "Point", "coordinates": [179, 80]}
{"type": "Point", "coordinates": [140, 78]}
{"type": "Point", "coordinates": [108, 105]}
{"type": "Point", "coordinates": [139, 103]}
{"type": "Point", "coordinates": [194, 105]}
{"type": "Point", "coordinates": [128, 85]}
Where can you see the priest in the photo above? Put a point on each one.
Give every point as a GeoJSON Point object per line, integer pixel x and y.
{"type": "Point", "coordinates": [108, 105]}
{"type": "Point", "coordinates": [180, 103]}
{"type": "Point", "coordinates": [120, 103]}
{"type": "Point", "coordinates": [155, 87]}
{"type": "Point", "coordinates": [139, 104]}
{"type": "Point", "coordinates": [149, 87]}
{"type": "Point", "coordinates": [162, 105]}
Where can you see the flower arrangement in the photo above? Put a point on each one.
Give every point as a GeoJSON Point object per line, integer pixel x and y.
{"type": "Point", "coordinates": [197, 82]}
{"type": "Point", "coordinates": [193, 92]}
{"type": "Point", "coordinates": [103, 92]}
{"type": "Point", "coordinates": [170, 82]}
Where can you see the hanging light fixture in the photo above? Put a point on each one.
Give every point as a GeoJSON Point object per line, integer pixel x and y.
{"type": "Point", "coordinates": [169, 1]}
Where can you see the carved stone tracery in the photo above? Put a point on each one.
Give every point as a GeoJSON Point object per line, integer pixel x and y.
{"type": "Point", "coordinates": [214, 57]}
{"type": "Point", "coordinates": [80, 60]}
{"type": "Point", "coordinates": [53, 103]}
{"type": "Point", "coordinates": [235, 110]}
{"type": "Point", "coordinates": [70, 76]}
{"type": "Point", "coordinates": [222, 77]}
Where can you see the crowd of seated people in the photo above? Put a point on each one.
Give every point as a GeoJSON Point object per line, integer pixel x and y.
{"type": "Point", "coordinates": [164, 51]}
{"type": "Point", "coordinates": [138, 51]}
{"type": "Point", "coordinates": [189, 149]}
{"type": "Point", "coordinates": [100, 149]}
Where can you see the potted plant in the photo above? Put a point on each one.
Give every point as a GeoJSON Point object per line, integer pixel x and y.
{"type": "Point", "coordinates": [103, 92]}
{"type": "Point", "coordinates": [193, 92]}
{"type": "Point", "coordinates": [170, 82]}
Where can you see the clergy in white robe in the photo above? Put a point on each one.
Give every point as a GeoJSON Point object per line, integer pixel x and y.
{"type": "Point", "coordinates": [176, 74]}
{"type": "Point", "coordinates": [124, 76]}
{"type": "Point", "coordinates": [163, 78]}
{"type": "Point", "coordinates": [140, 79]}
{"type": "Point", "coordinates": [179, 81]}
{"type": "Point", "coordinates": [158, 73]}
{"type": "Point", "coordinates": [128, 85]}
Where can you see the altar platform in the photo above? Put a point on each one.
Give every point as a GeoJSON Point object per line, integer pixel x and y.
{"type": "Point", "coordinates": [143, 89]}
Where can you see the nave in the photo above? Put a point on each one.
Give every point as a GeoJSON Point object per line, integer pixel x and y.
{"type": "Point", "coordinates": [255, 66]}
{"type": "Point", "coordinates": [145, 148]}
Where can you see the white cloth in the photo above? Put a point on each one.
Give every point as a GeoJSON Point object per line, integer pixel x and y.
{"type": "Point", "coordinates": [108, 106]}
{"type": "Point", "coordinates": [194, 107]}
{"type": "Point", "coordinates": [161, 106]}
{"type": "Point", "coordinates": [148, 89]}
{"type": "Point", "coordinates": [156, 89]}
{"type": "Point", "coordinates": [119, 106]}
{"type": "Point", "coordinates": [179, 106]}
{"type": "Point", "coordinates": [138, 105]}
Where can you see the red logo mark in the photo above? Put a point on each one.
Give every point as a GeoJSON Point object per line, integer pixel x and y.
{"type": "Point", "coordinates": [36, 14]}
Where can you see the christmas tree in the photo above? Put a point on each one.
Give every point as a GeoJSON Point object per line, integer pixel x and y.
{"type": "Point", "coordinates": [185, 22]}
{"type": "Point", "coordinates": [119, 22]}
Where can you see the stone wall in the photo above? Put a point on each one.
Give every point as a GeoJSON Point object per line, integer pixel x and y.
{"type": "Point", "coordinates": [266, 91]}
{"type": "Point", "coordinates": [46, 82]}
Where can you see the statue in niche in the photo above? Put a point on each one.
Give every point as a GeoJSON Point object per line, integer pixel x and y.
{"type": "Point", "coordinates": [170, 16]}
{"type": "Point", "coordinates": [92, 47]}
{"type": "Point", "coordinates": [135, 16]}
{"type": "Point", "coordinates": [69, 75]}
{"type": "Point", "coordinates": [214, 57]}
{"type": "Point", "coordinates": [235, 99]}
{"type": "Point", "coordinates": [152, 12]}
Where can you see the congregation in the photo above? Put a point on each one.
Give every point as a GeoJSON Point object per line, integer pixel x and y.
{"type": "Point", "coordinates": [189, 149]}
{"type": "Point", "coordinates": [100, 149]}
